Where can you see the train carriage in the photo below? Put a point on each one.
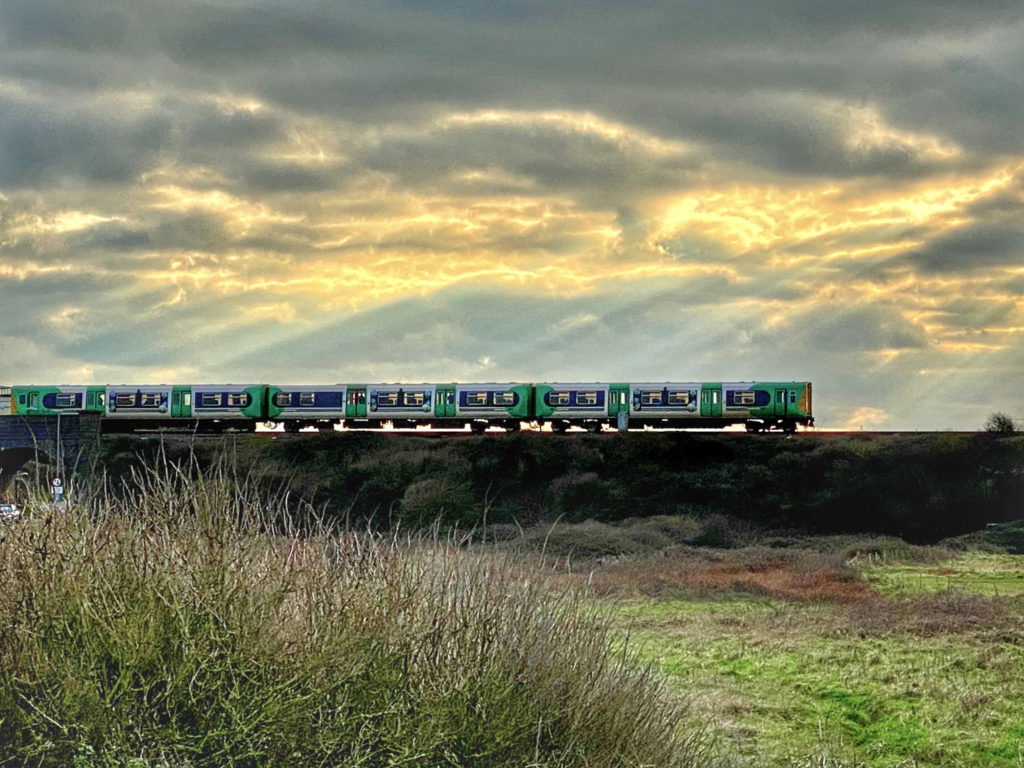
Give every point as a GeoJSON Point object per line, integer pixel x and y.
{"type": "Point", "coordinates": [237, 405]}
{"type": "Point", "coordinates": [482, 405]}
{"type": "Point", "coordinates": [53, 400]}
{"type": "Point", "coordinates": [132, 402]}
{"type": "Point", "coordinates": [307, 405]}
{"type": "Point", "coordinates": [400, 404]}
{"type": "Point", "coordinates": [583, 404]}
{"type": "Point", "coordinates": [665, 402]}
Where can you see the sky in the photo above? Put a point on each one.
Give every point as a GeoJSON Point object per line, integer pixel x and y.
{"type": "Point", "coordinates": [431, 190]}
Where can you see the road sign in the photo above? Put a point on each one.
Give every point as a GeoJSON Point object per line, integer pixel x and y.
{"type": "Point", "coordinates": [58, 489]}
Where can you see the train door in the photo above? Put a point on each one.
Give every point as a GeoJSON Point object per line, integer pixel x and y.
{"type": "Point", "coordinates": [181, 402]}
{"type": "Point", "coordinates": [618, 405]}
{"type": "Point", "coordinates": [444, 402]}
{"type": "Point", "coordinates": [711, 400]}
{"type": "Point", "coordinates": [618, 399]}
{"type": "Point", "coordinates": [780, 402]}
{"type": "Point", "coordinates": [355, 403]}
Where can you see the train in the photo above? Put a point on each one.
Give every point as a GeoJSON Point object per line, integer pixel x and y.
{"type": "Point", "coordinates": [593, 406]}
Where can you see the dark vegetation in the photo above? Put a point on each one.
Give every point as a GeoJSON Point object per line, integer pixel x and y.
{"type": "Point", "coordinates": [1000, 423]}
{"type": "Point", "coordinates": [922, 488]}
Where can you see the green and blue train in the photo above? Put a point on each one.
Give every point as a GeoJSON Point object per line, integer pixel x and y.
{"type": "Point", "coordinates": [760, 406]}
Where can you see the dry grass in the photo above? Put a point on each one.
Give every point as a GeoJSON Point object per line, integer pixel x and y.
{"type": "Point", "coordinates": [184, 621]}
{"type": "Point", "coordinates": [800, 575]}
{"type": "Point", "coordinates": [950, 612]}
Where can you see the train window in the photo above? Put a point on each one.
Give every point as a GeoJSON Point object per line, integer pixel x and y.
{"type": "Point", "coordinates": [238, 399]}
{"type": "Point", "coordinates": [307, 398]}
{"type": "Point", "coordinates": [679, 398]}
{"type": "Point", "coordinates": [586, 398]}
{"type": "Point", "coordinates": [356, 397]}
{"type": "Point", "coordinates": [124, 400]}
{"type": "Point", "coordinates": [558, 398]}
{"type": "Point", "coordinates": [780, 396]}
{"type": "Point", "coordinates": [283, 399]}
{"type": "Point", "coordinates": [210, 399]}
{"type": "Point", "coordinates": [387, 398]}
{"type": "Point", "coordinates": [65, 400]}
{"type": "Point", "coordinates": [650, 397]}
{"type": "Point", "coordinates": [414, 398]}
{"type": "Point", "coordinates": [504, 399]}
{"type": "Point", "coordinates": [792, 398]}
{"type": "Point", "coordinates": [100, 399]}
{"type": "Point", "coordinates": [188, 399]}
{"type": "Point", "coordinates": [714, 396]}
{"type": "Point", "coordinates": [743, 398]}
{"type": "Point", "coordinates": [476, 398]}
{"type": "Point", "coordinates": [149, 399]}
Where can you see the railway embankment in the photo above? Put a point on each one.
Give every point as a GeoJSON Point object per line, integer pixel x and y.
{"type": "Point", "coordinates": [920, 486]}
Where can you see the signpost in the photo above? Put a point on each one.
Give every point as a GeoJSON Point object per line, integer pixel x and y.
{"type": "Point", "coordinates": [58, 489]}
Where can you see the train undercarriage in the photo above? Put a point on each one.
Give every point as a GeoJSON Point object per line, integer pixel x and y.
{"type": "Point", "coordinates": [475, 426]}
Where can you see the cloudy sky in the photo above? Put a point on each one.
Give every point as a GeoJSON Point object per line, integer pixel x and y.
{"type": "Point", "coordinates": [322, 191]}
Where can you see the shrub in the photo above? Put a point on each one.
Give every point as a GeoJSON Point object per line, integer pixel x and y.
{"type": "Point", "coordinates": [437, 499]}
{"type": "Point", "coordinates": [1000, 424]}
{"type": "Point", "coordinates": [723, 531]}
{"type": "Point", "coordinates": [185, 621]}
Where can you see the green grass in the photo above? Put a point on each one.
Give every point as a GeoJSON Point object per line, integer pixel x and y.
{"type": "Point", "coordinates": [901, 680]}
{"type": "Point", "coordinates": [978, 572]}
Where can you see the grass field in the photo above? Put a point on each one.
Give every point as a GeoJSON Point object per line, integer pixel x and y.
{"type": "Point", "coordinates": [796, 661]}
{"type": "Point", "coordinates": [186, 622]}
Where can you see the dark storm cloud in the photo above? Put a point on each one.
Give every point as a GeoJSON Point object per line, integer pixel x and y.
{"type": "Point", "coordinates": [976, 315]}
{"type": "Point", "coordinates": [978, 246]}
{"type": "Point", "coordinates": [846, 331]}
{"type": "Point", "coordinates": [109, 237]}
{"type": "Point", "coordinates": [552, 155]}
{"type": "Point", "coordinates": [710, 72]}
{"type": "Point", "coordinates": [46, 145]}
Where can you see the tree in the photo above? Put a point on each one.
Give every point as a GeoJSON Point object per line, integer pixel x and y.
{"type": "Point", "coordinates": [1000, 424]}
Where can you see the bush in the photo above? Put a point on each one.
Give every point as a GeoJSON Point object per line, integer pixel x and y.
{"type": "Point", "coordinates": [186, 622]}
{"type": "Point", "coordinates": [1000, 424]}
